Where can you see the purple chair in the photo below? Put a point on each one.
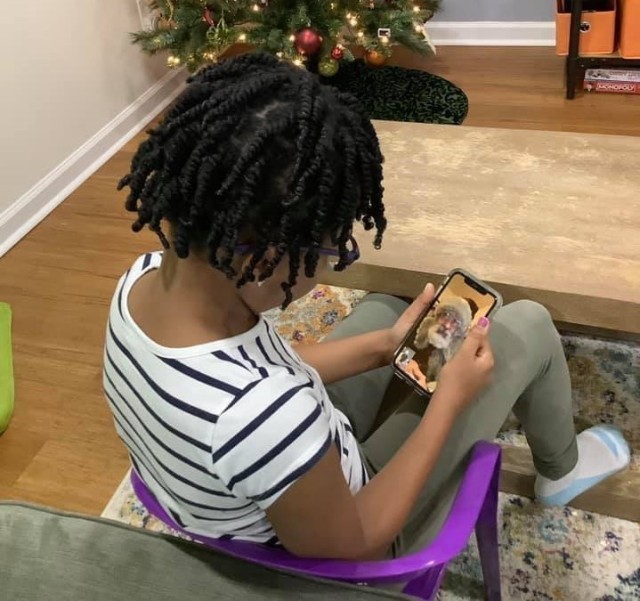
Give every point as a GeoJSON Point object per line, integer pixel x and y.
{"type": "Point", "coordinates": [475, 506]}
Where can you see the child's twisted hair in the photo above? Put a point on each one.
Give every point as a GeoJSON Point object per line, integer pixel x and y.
{"type": "Point", "coordinates": [258, 151]}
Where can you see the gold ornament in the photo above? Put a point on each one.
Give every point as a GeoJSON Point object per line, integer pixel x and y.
{"type": "Point", "coordinates": [328, 67]}
{"type": "Point", "coordinates": [373, 58]}
{"type": "Point", "coordinates": [164, 24]}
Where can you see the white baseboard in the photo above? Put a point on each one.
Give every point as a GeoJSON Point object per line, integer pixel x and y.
{"type": "Point", "coordinates": [33, 206]}
{"type": "Point", "coordinates": [492, 33]}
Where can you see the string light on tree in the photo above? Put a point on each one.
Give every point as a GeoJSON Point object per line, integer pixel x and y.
{"type": "Point", "coordinates": [173, 61]}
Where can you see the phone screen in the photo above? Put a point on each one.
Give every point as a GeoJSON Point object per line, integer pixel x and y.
{"type": "Point", "coordinates": [440, 332]}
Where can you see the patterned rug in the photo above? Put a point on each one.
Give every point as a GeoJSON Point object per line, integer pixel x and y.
{"type": "Point", "coordinates": [399, 94]}
{"type": "Point", "coordinates": [559, 554]}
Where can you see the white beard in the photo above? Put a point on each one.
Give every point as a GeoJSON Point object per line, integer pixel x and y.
{"type": "Point", "coordinates": [438, 340]}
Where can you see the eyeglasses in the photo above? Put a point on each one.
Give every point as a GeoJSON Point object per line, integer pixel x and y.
{"type": "Point", "coordinates": [353, 253]}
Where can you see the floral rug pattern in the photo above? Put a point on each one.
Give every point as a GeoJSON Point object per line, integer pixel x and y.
{"type": "Point", "coordinates": [558, 554]}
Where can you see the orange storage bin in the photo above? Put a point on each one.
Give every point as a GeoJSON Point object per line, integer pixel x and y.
{"type": "Point", "coordinates": [630, 28]}
{"type": "Point", "coordinates": [597, 29]}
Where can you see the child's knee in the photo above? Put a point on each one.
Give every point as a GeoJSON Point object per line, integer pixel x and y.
{"type": "Point", "coordinates": [533, 313]}
{"type": "Point", "coordinates": [531, 319]}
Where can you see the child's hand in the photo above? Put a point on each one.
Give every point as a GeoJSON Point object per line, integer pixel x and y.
{"type": "Point", "coordinates": [464, 377]}
{"type": "Point", "coordinates": [401, 328]}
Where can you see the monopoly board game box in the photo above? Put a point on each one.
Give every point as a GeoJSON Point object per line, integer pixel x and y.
{"type": "Point", "coordinates": [615, 81]}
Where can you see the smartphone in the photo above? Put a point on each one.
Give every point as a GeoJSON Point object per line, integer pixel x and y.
{"type": "Point", "coordinates": [440, 331]}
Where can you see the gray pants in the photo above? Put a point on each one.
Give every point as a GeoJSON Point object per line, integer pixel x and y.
{"type": "Point", "coordinates": [530, 378]}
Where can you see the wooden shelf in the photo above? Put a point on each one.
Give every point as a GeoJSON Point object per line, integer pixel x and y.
{"type": "Point", "coordinates": [615, 54]}
{"type": "Point", "coordinates": [576, 63]}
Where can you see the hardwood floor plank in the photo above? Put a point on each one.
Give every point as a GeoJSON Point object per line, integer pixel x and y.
{"type": "Point", "coordinates": [77, 473]}
{"type": "Point", "coordinates": [18, 448]}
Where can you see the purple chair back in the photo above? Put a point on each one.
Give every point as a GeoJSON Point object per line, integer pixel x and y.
{"type": "Point", "coordinates": [475, 507]}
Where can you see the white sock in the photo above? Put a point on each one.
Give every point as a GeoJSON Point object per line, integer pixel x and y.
{"type": "Point", "coordinates": [602, 452]}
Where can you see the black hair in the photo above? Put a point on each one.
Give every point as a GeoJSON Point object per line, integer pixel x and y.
{"type": "Point", "coordinates": [259, 151]}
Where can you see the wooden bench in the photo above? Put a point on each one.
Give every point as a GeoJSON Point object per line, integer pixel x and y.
{"type": "Point", "coordinates": [549, 216]}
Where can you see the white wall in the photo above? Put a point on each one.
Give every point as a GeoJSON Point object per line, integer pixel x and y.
{"type": "Point", "coordinates": [497, 10]}
{"type": "Point", "coordinates": [67, 70]}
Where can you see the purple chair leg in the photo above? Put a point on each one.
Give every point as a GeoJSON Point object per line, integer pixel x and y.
{"type": "Point", "coordinates": [426, 585]}
{"type": "Point", "coordinates": [487, 537]}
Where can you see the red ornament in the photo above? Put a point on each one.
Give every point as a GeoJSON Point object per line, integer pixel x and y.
{"type": "Point", "coordinates": [337, 53]}
{"type": "Point", "coordinates": [207, 16]}
{"type": "Point", "coordinates": [308, 41]}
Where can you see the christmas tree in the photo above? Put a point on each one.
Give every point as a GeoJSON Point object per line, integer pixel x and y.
{"type": "Point", "coordinates": [317, 34]}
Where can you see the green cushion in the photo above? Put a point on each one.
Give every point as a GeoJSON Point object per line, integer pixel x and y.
{"type": "Point", "coordinates": [6, 368]}
{"type": "Point", "coordinates": [57, 556]}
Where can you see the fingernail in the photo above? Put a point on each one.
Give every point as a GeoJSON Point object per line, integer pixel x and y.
{"type": "Point", "coordinates": [483, 322]}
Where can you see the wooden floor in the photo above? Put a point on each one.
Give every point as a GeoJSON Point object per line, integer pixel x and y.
{"type": "Point", "coordinates": [61, 449]}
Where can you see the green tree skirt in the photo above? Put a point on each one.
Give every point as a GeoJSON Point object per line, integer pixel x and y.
{"type": "Point", "coordinates": [399, 94]}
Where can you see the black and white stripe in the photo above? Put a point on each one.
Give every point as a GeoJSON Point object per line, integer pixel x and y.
{"type": "Point", "coordinates": [219, 431]}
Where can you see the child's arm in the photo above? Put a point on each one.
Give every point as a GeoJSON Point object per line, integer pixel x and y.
{"type": "Point", "coordinates": [320, 517]}
{"type": "Point", "coordinates": [339, 359]}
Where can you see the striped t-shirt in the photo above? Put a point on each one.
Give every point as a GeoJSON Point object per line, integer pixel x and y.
{"type": "Point", "coordinates": [220, 430]}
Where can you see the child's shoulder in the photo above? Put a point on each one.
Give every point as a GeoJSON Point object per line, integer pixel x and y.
{"type": "Point", "coordinates": [143, 263]}
{"type": "Point", "coordinates": [150, 260]}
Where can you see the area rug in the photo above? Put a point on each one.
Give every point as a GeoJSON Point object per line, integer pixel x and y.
{"type": "Point", "coordinates": [399, 94]}
{"type": "Point", "coordinates": [559, 554]}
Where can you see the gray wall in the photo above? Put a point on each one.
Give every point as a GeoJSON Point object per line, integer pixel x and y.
{"type": "Point", "coordinates": [497, 10]}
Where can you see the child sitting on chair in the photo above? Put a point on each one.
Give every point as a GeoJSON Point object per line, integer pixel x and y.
{"type": "Point", "coordinates": [255, 181]}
